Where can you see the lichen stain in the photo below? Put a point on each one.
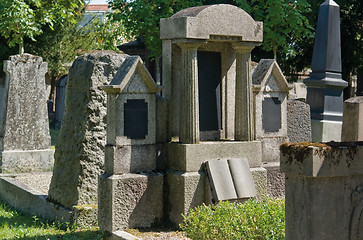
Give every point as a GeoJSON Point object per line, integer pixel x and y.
{"type": "Point", "coordinates": [333, 150]}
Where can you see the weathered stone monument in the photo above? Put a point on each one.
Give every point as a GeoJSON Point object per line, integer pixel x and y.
{"type": "Point", "coordinates": [24, 127]}
{"type": "Point", "coordinates": [208, 84]}
{"type": "Point", "coordinates": [325, 85]}
{"type": "Point", "coordinates": [324, 191]}
{"type": "Point", "coordinates": [270, 90]}
{"type": "Point", "coordinates": [130, 191]}
{"type": "Point", "coordinates": [79, 155]}
{"type": "Point", "coordinates": [298, 121]}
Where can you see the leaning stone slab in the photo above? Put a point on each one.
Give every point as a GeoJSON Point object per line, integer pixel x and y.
{"type": "Point", "coordinates": [79, 155]}
{"type": "Point", "coordinates": [24, 127]}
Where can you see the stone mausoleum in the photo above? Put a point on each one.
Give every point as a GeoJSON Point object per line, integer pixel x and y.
{"type": "Point", "coordinates": [159, 137]}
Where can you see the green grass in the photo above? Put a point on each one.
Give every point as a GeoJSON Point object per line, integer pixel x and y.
{"type": "Point", "coordinates": [250, 220]}
{"type": "Point", "coordinates": [15, 225]}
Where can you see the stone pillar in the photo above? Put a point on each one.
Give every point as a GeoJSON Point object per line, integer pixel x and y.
{"type": "Point", "coordinates": [323, 190]}
{"type": "Point", "coordinates": [325, 84]}
{"type": "Point", "coordinates": [352, 129]}
{"type": "Point", "coordinates": [244, 117]}
{"type": "Point", "coordinates": [189, 102]}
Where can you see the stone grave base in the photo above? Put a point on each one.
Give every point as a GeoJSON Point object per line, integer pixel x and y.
{"type": "Point", "coordinates": [130, 200]}
{"type": "Point", "coordinates": [326, 131]}
{"type": "Point", "coordinates": [27, 192]}
{"type": "Point", "coordinates": [26, 161]}
{"type": "Point", "coordinates": [191, 189]}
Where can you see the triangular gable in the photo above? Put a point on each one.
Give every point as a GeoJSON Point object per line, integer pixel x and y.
{"type": "Point", "coordinates": [267, 73]}
{"type": "Point", "coordinates": [132, 77]}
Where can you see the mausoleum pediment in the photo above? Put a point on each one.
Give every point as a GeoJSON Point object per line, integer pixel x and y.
{"type": "Point", "coordinates": [219, 22]}
{"type": "Point", "coordinates": [268, 77]}
{"type": "Point", "coordinates": [132, 77]}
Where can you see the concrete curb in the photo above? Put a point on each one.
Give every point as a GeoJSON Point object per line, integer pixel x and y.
{"type": "Point", "coordinates": [122, 235]}
{"type": "Point", "coordinates": [32, 202]}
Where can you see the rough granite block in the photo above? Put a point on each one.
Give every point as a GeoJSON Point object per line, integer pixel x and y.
{"type": "Point", "coordinates": [130, 201]}
{"type": "Point", "coordinates": [185, 191]}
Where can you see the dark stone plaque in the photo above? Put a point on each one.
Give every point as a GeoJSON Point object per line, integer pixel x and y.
{"type": "Point", "coordinates": [135, 119]}
{"type": "Point", "coordinates": [209, 81]}
{"type": "Point", "coordinates": [271, 114]}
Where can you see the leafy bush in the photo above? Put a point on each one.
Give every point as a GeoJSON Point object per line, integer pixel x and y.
{"type": "Point", "coordinates": [250, 220]}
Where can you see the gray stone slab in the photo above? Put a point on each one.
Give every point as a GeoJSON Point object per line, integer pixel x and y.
{"type": "Point", "coordinates": [190, 157]}
{"type": "Point", "coordinates": [298, 121]}
{"type": "Point", "coordinates": [24, 117]}
{"type": "Point", "coordinates": [26, 161]}
{"type": "Point", "coordinates": [242, 178]}
{"type": "Point", "coordinates": [220, 179]}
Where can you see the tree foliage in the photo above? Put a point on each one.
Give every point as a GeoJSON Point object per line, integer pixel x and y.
{"type": "Point", "coordinates": [142, 17]}
{"type": "Point", "coordinates": [22, 19]}
{"type": "Point", "coordinates": [284, 22]}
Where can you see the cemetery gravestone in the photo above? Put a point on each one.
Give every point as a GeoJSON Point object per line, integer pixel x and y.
{"type": "Point", "coordinates": [79, 155]}
{"type": "Point", "coordinates": [24, 127]}
{"type": "Point", "coordinates": [130, 194]}
{"type": "Point", "coordinates": [270, 91]}
{"type": "Point", "coordinates": [206, 107]}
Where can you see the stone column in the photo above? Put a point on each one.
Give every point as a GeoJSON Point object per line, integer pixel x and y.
{"type": "Point", "coordinates": [189, 102]}
{"type": "Point", "coordinates": [244, 118]}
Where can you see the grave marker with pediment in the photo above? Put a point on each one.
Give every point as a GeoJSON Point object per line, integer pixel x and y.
{"type": "Point", "coordinates": [270, 90]}
{"type": "Point", "coordinates": [131, 119]}
{"type": "Point", "coordinates": [130, 194]}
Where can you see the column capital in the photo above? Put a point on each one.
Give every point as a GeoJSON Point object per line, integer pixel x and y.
{"type": "Point", "coordinates": [189, 43]}
{"type": "Point", "coordinates": [244, 46]}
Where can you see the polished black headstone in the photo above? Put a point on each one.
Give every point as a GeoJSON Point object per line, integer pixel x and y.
{"type": "Point", "coordinates": [209, 82]}
{"type": "Point", "coordinates": [135, 119]}
{"type": "Point", "coordinates": [271, 114]}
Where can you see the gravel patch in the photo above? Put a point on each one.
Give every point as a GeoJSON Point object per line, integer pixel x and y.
{"type": "Point", "coordinates": [157, 234]}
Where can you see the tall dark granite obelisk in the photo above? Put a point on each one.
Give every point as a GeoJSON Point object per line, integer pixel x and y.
{"type": "Point", "coordinates": [325, 85]}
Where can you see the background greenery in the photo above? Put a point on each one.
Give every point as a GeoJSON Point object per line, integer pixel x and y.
{"type": "Point", "coordinates": [49, 28]}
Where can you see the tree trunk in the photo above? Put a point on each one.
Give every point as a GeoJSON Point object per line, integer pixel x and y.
{"type": "Point", "coordinates": [21, 47]}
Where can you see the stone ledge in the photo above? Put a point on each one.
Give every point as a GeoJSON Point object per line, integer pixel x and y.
{"type": "Point", "coordinates": [322, 159]}
{"type": "Point", "coordinates": [190, 157]}
{"type": "Point", "coordinates": [27, 160]}
{"type": "Point", "coordinates": [30, 201]}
